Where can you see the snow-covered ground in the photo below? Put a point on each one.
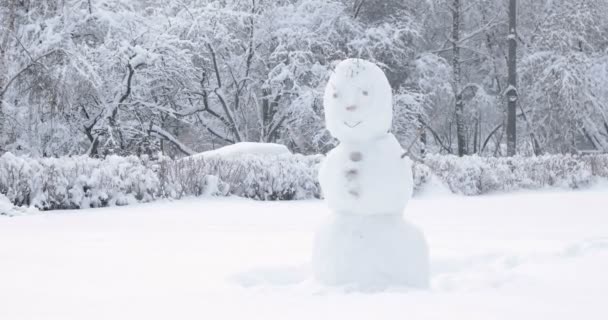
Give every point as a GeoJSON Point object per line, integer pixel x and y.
{"type": "Point", "coordinates": [539, 255]}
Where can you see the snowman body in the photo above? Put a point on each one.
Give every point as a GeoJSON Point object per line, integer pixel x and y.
{"type": "Point", "coordinates": [367, 178]}
{"type": "Point", "coordinates": [367, 184]}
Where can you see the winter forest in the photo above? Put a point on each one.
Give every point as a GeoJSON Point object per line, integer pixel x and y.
{"type": "Point", "coordinates": [102, 77]}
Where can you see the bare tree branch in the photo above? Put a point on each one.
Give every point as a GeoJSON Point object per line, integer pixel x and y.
{"type": "Point", "coordinates": [357, 8]}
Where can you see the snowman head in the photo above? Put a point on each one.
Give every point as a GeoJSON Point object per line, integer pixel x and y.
{"type": "Point", "coordinates": [358, 102]}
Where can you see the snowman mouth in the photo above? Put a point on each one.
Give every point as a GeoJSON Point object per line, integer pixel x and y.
{"type": "Point", "coordinates": [352, 125]}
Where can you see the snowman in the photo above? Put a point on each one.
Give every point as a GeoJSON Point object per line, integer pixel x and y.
{"type": "Point", "coordinates": [367, 184]}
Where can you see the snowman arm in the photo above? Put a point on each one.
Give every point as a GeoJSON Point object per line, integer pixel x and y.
{"type": "Point", "coordinates": [411, 156]}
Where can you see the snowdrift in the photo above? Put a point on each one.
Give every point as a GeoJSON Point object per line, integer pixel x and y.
{"type": "Point", "coordinates": [244, 149]}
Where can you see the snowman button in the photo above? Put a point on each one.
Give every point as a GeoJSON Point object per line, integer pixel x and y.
{"type": "Point", "coordinates": [356, 156]}
{"type": "Point", "coordinates": [351, 174]}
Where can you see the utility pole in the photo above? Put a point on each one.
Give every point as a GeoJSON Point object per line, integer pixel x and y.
{"type": "Point", "coordinates": [512, 89]}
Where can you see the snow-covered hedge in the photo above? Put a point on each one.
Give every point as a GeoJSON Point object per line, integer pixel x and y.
{"type": "Point", "coordinates": [598, 164]}
{"type": "Point", "coordinates": [476, 175]}
{"type": "Point", "coordinates": [261, 177]}
{"type": "Point", "coordinates": [82, 182]}
{"type": "Point", "coordinates": [76, 182]}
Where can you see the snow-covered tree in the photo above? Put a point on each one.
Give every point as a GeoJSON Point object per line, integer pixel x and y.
{"type": "Point", "coordinates": [562, 75]}
{"type": "Point", "coordinates": [180, 76]}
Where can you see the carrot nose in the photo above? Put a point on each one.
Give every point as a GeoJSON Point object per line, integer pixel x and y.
{"type": "Point", "coordinates": [351, 108]}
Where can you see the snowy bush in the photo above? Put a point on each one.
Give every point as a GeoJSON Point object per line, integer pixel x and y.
{"type": "Point", "coordinates": [183, 178]}
{"type": "Point", "coordinates": [9, 209]}
{"type": "Point", "coordinates": [598, 164]}
{"type": "Point", "coordinates": [76, 182]}
{"type": "Point", "coordinates": [261, 177]}
{"type": "Point", "coordinates": [84, 182]}
{"type": "Point", "coordinates": [473, 175]}
{"type": "Point", "coordinates": [422, 175]}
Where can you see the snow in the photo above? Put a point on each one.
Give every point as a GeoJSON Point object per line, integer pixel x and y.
{"type": "Point", "coordinates": [140, 56]}
{"type": "Point", "coordinates": [367, 184]}
{"type": "Point", "coordinates": [382, 181]}
{"type": "Point", "coordinates": [241, 148]}
{"type": "Point", "coordinates": [370, 253]}
{"type": "Point", "coordinates": [8, 209]}
{"type": "Point", "coordinates": [538, 255]}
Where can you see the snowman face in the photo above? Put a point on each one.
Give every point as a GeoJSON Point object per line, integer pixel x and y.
{"type": "Point", "coordinates": [358, 101]}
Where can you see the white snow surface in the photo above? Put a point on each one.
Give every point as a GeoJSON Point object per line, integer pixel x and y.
{"type": "Point", "coordinates": [246, 148]}
{"type": "Point", "coordinates": [536, 255]}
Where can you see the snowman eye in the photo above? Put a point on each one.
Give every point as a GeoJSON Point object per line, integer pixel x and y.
{"type": "Point", "coordinates": [335, 95]}
{"type": "Point", "coordinates": [364, 92]}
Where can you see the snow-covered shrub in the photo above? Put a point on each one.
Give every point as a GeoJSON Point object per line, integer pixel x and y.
{"type": "Point", "coordinates": [17, 178]}
{"type": "Point", "coordinates": [461, 176]}
{"type": "Point", "coordinates": [187, 177]}
{"type": "Point", "coordinates": [76, 182]}
{"type": "Point", "coordinates": [261, 177]}
{"type": "Point", "coordinates": [598, 164]}
{"type": "Point", "coordinates": [422, 174]}
{"type": "Point", "coordinates": [83, 182]}
{"type": "Point", "coordinates": [9, 209]}
{"type": "Point", "coordinates": [554, 170]}
{"type": "Point", "coordinates": [473, 175]}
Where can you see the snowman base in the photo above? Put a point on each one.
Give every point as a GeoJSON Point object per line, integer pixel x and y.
{"type": "Point", "coordinates": [371, 252]}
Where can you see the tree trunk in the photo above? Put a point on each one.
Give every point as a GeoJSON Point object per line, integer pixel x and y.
{"type": "Point", "coordinates": [476, 135]}
{"type": "Point", "coordinates": [423, 138]}
{"type": "Point", "coordinates": [4, 44]}
{"type": "Point", "coordinates": [456, 65]}
{"type": "Point", "coordinates": [512, 89]}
